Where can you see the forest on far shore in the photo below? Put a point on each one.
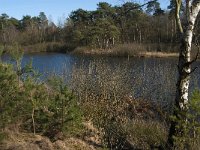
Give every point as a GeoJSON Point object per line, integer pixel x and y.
{"type": "Point", "coordinates": [103, 28]}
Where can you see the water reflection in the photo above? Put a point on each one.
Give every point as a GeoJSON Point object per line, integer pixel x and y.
{"type": "Point", "coordinates": [150, 78]}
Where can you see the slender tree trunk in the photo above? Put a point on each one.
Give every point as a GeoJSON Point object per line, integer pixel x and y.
{"type": "Point", "coordinates": [107, 43]}
{"type": "Point", "coordinates": [113, 41]}
{"type": "Point", "coordinates": [18, 65]}
{"type": "Point", "coordinates": [33, 114]}
{"type": "Point", "coordinates": [172, 31]}
{"type": "Point", "coordinates": [177, 11]}
{"type": "Point", "coordinates": [184, 70]}
{"type": "Point", "coordinates": [140, 36]}
{"type": "Point", "coordinates": [175, 30]}
{"type": "Point", "coordinates": [99, 43]}
{"type": "Point", "coordinates": [167, 30]}
{"type": "Point", "coordinates": [33, 120]}
{"type": "Point", "coordinates": [62, 115]}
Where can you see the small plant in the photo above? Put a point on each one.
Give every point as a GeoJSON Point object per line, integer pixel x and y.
{"type": "Point", "coordinates": [66, 114]}
{"type": "Point", "coordinates": [190, 137]}
{"type": "Point", "coordinates": [8, 95]}
{"type": "Point", "coordinates": [45, 107]}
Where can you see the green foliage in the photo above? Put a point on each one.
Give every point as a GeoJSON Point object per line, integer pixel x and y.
{"type": "Point", "coordinates": [103, 28]}
{"type": "Point", "coordinates": [9, 94]}
{"type": "Point", "coordinates": [40, 107]}
{"type": "Point", "coordinates": [189, 138]}
{"type": "Point", "coordinates": [102, 34]}
{"type": "Point", "coordinates": [147, 134]}
{"type": "Point", "coordinates": [152, 7]}
{"type": "Point", "coordinates": [1, 51]}
{"type": "Point", "coordinates": [3, 136]}
{"type": "Point", "coordinates": [67, 116]}
{"type": "Point", "coordinates": [16, 52]}
{"type": "Point", "coordinates": [77, 36]}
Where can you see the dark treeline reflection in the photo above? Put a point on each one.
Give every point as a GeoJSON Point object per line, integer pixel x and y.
{"type": "Point", "coordinates": [147, 78]}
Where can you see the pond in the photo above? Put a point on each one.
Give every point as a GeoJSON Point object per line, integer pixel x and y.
{"type": "Point", "coordinates": [147, 78]}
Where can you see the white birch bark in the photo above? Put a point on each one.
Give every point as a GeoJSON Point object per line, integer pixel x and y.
{"type": "Point", "coordinates": [178, 20]}
{"type": "Point", "coordinates": [185, 57]}
{"type": "Point", "coordinates": [184, 67]}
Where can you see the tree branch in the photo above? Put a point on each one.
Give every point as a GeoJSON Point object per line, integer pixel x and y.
{"type": "Point", "coordinates": [140, 6]}
{"type": "Point", "coordinates": [193, 70]}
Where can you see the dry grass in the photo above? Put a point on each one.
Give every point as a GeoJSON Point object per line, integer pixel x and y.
{"type": "Point", "coordinates": [104, 96]}
{"type": "Point", "coordinates": [46, 47]}
{"type": "Point", "coordinates": [158, 54]}
{"type": "Point", "coordinates": [131, 124]}
{"type": "Point", "coordinates": [133, 49]}
{"type": "Point", "coordinates": [147, 134]}
{"type": "Point", "coordinates": [23, 141]}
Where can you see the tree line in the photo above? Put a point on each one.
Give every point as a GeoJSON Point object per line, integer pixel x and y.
{"type": "Point", "coordinates": [102, 28]}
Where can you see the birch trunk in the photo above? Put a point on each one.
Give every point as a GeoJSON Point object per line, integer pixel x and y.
{"type": "Point", "coordinates": [140, 32]}
{"type": "Point", "coordinates": [177, 11]}
{"type": "Point", "coordinates": [172, 30]}
{"type": "Point", "coordinates": [113, 41]}
{"type": "Point", "coordinates": [184, 69]}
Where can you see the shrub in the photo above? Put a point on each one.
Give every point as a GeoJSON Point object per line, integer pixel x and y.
{"type": "Point", "coordinates": [148, 134]}
{"type": "Point", "coordinates": [126, 126]}
{"type": "Point", "coordinates": [9, 93]}
{"type": "Point", "coordinates": [190, 137]}
{"type": "Point", "coordinates": [37, 106]}
{"type": "Point", "coordinates": [66, 114]}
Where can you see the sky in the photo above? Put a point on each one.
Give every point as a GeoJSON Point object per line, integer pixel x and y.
{"type": "Point", "coordinates": [56, 10]}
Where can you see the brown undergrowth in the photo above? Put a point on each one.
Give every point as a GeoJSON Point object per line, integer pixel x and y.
{"type": "Point", "coordinates": [133, 50]}
{"type": "Point", "coordinates": [122, 121]}
{"type": "Point", "coordinates": [23, 141]}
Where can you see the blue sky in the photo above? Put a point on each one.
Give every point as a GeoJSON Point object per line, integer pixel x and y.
{"type": "Point", "coordinates": [55, 9]}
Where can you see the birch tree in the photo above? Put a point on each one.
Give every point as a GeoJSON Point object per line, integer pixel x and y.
{"type": "Point", "coordinates": [184, 64]}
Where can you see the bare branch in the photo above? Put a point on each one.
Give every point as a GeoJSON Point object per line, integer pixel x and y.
{"type": "Point", "coordinates": [193, 70]}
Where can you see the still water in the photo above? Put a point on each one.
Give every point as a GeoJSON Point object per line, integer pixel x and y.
{"type": "Point", "coordinates": [149, 78]}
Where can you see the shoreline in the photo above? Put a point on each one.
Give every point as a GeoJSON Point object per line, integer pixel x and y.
{"type": "Point", "coordinates": [131, 50]}
{"type": "Point", "coordinates": [124, 50]}
{"type": "Point", "coordinates": [159, 54]}
{"type": "Point", "coordinates": [144, 54]}
{"type": "Point", "coordinates": [107, 54]}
